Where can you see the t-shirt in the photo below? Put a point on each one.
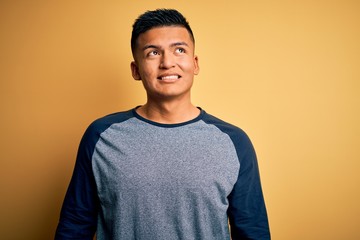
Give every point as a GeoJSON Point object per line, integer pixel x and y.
{"type": "Point", "coordinates": [138, 179]}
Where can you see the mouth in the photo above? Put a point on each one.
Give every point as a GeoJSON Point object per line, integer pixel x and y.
{"type": "Point", "coordinates": [169, 77]}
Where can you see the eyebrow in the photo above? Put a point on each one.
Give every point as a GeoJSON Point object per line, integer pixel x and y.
{"type": "Point", "coordinates": [171, 45]}
{"type": "Point", "coordinates": [179, 44]}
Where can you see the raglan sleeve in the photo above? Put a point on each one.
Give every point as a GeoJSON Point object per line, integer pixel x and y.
{"type": "Point", "coordinates": [247, 211]}
{"type": "Point", "coordinates": [78, 217]}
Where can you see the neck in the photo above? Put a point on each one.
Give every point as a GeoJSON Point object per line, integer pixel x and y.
{"type": "Point", "coordinates": [168, 112]}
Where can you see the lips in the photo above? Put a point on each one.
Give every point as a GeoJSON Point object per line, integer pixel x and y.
{"type": "Point", "coordinates": [169, 77]}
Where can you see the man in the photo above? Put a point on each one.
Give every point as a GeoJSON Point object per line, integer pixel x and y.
{"type": "Point", "coordinates": [164, 170]}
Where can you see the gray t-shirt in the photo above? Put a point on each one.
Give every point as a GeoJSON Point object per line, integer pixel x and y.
{"type": "Point", "coordinates": [138, 179]}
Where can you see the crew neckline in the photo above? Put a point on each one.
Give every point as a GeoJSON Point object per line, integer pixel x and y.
{"type": "Point", "coordinates": [168, 125]}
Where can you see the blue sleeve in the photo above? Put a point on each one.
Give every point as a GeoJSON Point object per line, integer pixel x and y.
{"type": "Point", "coordinates": [247, 211]}
{"type": "Point", "coordinates": [78, 216]}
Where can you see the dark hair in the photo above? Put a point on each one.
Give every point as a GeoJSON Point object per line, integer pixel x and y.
{"type": "Point", "coordinates": [158, 18]}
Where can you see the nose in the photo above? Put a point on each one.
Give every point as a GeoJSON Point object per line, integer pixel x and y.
{"type": "Point", "coordinates": [167, 60]}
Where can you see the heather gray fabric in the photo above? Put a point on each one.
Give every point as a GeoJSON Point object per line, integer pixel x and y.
{"type": "Point", "coordinates": [136, 179]}
{"type": "Point", "coordinates": [164, 183]}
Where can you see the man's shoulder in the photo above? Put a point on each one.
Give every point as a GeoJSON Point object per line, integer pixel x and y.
{"type": "Point", "coordinates": [237, 134]}
{"type": "Point", "coordinates": [101, 124]}
{"type": "Point", "coordinates": [112, 118]}
{"type": "Point", "coordinates": [221, 124]}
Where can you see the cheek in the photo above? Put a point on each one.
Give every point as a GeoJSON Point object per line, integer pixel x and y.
{"type": "Point", "coordinates": [149, 69]}
{"type": "Point", "coordinates": [146, 73]}
{"type": "Point", "coordinates": [188, 65]}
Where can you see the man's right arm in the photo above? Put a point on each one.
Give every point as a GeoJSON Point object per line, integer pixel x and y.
{"type": "Point", "coordinates": [78, 218]}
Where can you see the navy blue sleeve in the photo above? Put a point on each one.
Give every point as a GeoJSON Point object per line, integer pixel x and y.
{"type": "Point", "coordinates": [247, 211]}
{"type": "Point", "coordinates": [78, 216]}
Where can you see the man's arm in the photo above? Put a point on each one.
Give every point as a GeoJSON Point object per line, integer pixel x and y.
{"type": "Point", "coordinates": [247, 211]}
{"type": "Point", "coordinates": [78, 216]}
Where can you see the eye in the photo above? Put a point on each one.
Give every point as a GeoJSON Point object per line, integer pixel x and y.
{"type": "Point", "coordinates": [153, 53]}
{"type": "Point", "coordinates": [180, 50]}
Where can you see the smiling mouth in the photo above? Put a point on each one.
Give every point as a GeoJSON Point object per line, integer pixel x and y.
{"type": "Point", "coordinates": [170, 77]}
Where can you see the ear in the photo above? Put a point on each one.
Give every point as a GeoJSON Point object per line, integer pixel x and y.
{"type": "Point", "coordinates": [196, 65]}
{"type": "Point", "coordinates": [135, 71]}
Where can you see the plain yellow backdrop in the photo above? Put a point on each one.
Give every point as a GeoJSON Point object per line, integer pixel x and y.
{"type": "Point", "coordinates": [287, 72]}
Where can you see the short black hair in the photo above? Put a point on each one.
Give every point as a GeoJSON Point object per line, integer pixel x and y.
{"type": "Point", "coordinates": [158, 18]}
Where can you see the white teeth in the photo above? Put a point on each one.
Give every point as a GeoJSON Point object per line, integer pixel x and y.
{"type": "Point", "coordinates": [172, 77]}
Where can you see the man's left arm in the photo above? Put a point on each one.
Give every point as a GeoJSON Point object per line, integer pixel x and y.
{"type": "Point", "coordinates": [247, 211]}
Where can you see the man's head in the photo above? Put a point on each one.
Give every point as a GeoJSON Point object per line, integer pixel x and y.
{"type": "Point", "coordinates": [164, 55]}
{"type": "Point", "coordinates": [158, 18]}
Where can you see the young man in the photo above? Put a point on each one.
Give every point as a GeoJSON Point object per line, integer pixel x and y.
{"type": "Point", "coordinates": [165, 170]}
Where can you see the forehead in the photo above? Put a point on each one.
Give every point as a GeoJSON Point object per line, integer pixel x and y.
{"type": "Point", "coordinates": [163, 36]}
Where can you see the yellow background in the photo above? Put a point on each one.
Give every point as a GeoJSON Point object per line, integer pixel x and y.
{"type": "Point", "coordinates": [287, 72]}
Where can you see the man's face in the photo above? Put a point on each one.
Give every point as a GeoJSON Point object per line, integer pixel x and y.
{"type": "Point", "coordinates": [165, 62]}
